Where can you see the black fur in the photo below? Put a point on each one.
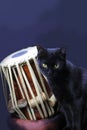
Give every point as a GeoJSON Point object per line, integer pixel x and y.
{"type": "Point", "coordinates": [69, 84]}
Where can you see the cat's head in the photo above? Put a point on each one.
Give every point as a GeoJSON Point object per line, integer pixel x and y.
{"type": "Point", "coordinates": [51, 61]}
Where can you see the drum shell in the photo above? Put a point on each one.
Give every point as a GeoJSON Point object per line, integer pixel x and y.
{"type": "Point", "coordinates": [27, 90]}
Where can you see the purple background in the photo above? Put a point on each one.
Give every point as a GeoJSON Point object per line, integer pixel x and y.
{"type": "Point", "coordinates": [51, 23]}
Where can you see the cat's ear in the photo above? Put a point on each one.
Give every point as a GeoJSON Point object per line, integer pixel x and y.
{"type": "Point", "coordinates": [61, 52]}
{"type": "Point", "coordinates": [39, 47]}
{"type": "Point", "coordinates": [41, 51]}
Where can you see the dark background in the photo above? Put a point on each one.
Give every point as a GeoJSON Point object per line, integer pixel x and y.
{"type": "Point", "coordinates": [51, 23]}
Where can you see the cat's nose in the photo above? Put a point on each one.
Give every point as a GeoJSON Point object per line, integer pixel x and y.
{"type": "Point", "coordinates": [49, 72]}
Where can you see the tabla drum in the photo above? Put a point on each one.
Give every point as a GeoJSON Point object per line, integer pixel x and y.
{"type": "Point", "coordinates": [26, 90]}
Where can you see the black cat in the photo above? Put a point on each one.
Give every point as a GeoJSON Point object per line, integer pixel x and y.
{"type": "Point", "coordinates": [69, 84]}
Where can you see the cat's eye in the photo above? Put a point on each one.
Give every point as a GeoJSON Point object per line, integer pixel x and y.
{"type": "Point", "coordinates": [56, 66]}
{"type": "Point", "coordinates": [44, 65]}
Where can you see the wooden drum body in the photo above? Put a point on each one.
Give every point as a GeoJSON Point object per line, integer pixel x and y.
{"type": "Point", "coordinates": [26, 90]}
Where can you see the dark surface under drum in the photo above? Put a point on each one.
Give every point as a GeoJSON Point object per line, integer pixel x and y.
{"type": "Point", "coordinates": [55, 123]}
